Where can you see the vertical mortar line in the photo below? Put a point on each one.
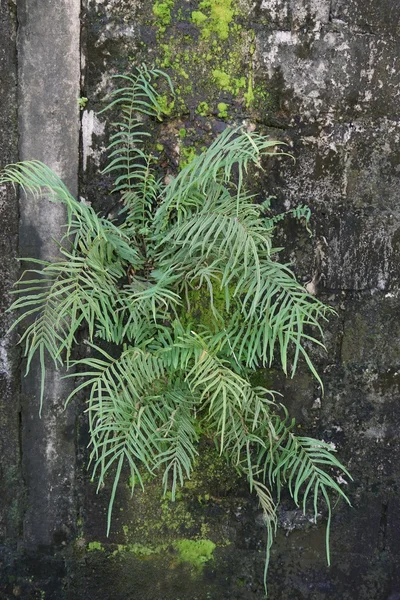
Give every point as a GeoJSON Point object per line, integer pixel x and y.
{"type": "Point", "coordinates": [48, 89]}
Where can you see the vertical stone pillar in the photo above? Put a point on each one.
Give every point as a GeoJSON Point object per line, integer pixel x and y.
{"type": "Point", "coordinates": [11, 485]}
{"type": "Point", "coordinates": [49, 83]}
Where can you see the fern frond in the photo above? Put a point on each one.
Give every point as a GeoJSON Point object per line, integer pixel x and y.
{"type": "Point", "coordinates": [36, 177]}
{"type": "Point", "coordinates": [46, 331]}
{"type": "Point", "coordinates": [178, 437]}
{"type": "Point", "coordinates": [233, 149]}
{"type": "Point", "coordinates": [83, 224]}
{"type": "Point", "coordinates": [81, 289]}
{"type": "Point", "coordinates": [218, 232]}
{"type": "Point", "coordinates": [307, 466]}
{"type": "Point", "coordinates": [146, 306]}
{"type": "Point", "coordinates": [123, 416]}
{"type": "Point", "coordinates": [270, 520]}
{"type": "Point", "coordinates": [137, 97]}
{"type": "Point", "coordinates": [228, 398]}
{"type": "Point", "coordinates": [276, 312]}
{"type": "Point", "coordinates": [301, 213]}
{"type": "Point", "coordinates": [139, 94]}
{"type": "Point", "coordinates": [140, 200]}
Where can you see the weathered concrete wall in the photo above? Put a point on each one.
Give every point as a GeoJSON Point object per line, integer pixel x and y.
{"type": "Point", "coordinates": [323, 76]}
{"type": "Point", "coordinates": [11, 489]}
{"type": "Point", "coordinates": [49, 80]}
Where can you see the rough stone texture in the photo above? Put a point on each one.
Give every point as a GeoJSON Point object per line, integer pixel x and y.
{"type": "Point", "coordinates": [11, 485]}
{"type": "Point", "coordinates": [49, 79]}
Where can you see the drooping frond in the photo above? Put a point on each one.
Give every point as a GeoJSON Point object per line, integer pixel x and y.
{"type": "Point", "coordinates": [83, 223]}
{"type": "Point", "coordinates": [38, 179]}
{"type": "Point", "coordinates": [308, 467]}
{"type": "Point", "coordinates": [124, 411]}
{"type": "Point", "coordinates": [271, 522]}
{"type": "Point", "coordinates": [178, 438]}
{"type": "Point", "coordinates": [64, 295]}
{"type": "Point", "coordinates": [80, 287]}
{"type": "Point", "coordinates": [46, 331]}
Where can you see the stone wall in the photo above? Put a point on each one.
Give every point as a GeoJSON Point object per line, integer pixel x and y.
{"type": "Point", "coordinates": [48, 116]}
{"type": "Point", "coordinates": [11, 490]}
{"type": "Point", "coordinates": [321, 75]}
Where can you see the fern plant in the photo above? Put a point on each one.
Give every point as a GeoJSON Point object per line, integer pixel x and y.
{"type": "Point", "coordinates": [136, 284]}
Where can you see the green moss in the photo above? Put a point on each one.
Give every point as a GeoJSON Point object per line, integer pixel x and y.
{"type": "Point", "coordinates": [166, 105]}
{"type": "Point", "coordinates": [172, 58]}
{"type": "Point", "coordinates": [222, 110]}
{"type": "Point", "coordinates": [162, 12]}
{"type": "Point", "coordinates": [82, 101]}
{"type": "Point", "coordinates": [175, 516]}
{"type": "Point", "coordinates": [198, 17]}
{"type": "Point", "coordinates": [228, 83]}
{"type": "Point", "coordinates": [249, 95]}
{"type": "Point", "coordinates": [222, 79]}
{"type": "Point", "coordinates": [208, 312]}
{"type": "Point", "coordinates": [238, 84]}
{"type": "Point", "coordinates": [187, 155]}
{"type": "Point", "coordinates": [92, 546]}
{"type": "Point", "coordinates": [223, 45]}
{"type": "Point", "coordinates": [218, 17]}
{"type": "Point", "coordinates": [142, 550]}
{"type": "Point", "coordinates": [212, 476]}
{"type": "Point", "coordinates": [203, 109]}
{"type": "Point", "coordinates": [195, 552]}
{"type": "Point", "coordinates": [182, 133]}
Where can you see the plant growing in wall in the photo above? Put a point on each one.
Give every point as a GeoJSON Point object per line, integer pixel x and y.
{"type": "Point", "coordinates": [181, 299]}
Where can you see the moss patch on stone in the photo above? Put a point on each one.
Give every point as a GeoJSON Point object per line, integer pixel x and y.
{"type": "Point", "coordinates": [203, 109]}
{"type": "Point", "coordinates": [214, 16]}
{"type": "Point", "coordinates": [222, 110]}
{"type": "Point", "coordinates": [162, 13]}
{"type": "Point", "coordinates": [93, 546]}
{"type": "Point", "coordinates": [208, 53]}
{"type": "Point", "coordinates": [195, 552]}
{"type": "Point", "coordinates": [187, 155]}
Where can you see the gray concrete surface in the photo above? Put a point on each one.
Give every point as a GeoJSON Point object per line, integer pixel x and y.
{"type": "Point", "coordinates": [48, 92]}
{"type": "Point", "coordinates": [11, 489]}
